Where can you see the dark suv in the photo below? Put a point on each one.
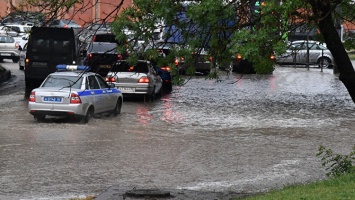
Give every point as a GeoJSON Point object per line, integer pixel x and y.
{"type": "Point", "coordinates": [46, 48]}
{"type": "Point", "coordinates": [100, 56]}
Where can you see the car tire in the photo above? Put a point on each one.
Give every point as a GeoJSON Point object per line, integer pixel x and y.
{"type": "Point", "coordinates": [326, 62]}
{"type": "Point", "coordinates": [118, 107]}
{"type": "Point", "coordinates": [15, 60]}
{"type": "Point", "coordinates": [152, 96]}
{"type": "Point", "coordinates": [40, 118]}
{"type": "Point", "coordinates": [89, 114]}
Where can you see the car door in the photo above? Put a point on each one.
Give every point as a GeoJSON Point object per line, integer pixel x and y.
{"type": "Point", "coordinates": [155, 77]}
{"type": "Point", "coordinates": [306, 53]}
{"type": "Point", "coordinates": [108, 97]}
{"type": "Point", "coordinates": [315, 51]}
{"type": "Point", "coordinates": [96, 93]}
{"type": "Point", "coordinates": [290, 55]}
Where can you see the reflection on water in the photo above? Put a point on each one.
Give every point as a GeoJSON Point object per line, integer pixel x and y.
{"type": "Point", "coordinates": [287, 98]}
{"type": "Point", "coordinates": [243, 133]}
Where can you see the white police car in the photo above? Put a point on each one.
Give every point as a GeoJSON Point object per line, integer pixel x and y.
{"type": "Point", "coordinates": [74, 92]}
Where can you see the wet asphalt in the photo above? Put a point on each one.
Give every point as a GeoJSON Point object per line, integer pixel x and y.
{"type": "Point", "coordinates": [207, 139]}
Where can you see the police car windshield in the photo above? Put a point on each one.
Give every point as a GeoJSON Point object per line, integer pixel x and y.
{"type": "Point", "coordinates": [140, 67]}
{"type": "Point", "coordinates": [63, 81]}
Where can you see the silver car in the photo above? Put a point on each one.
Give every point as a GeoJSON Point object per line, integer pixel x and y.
{"type": "Point", "coordinates": [138, 79]}
{"type": "Point", "coordinates": [297, 54]}
{"type": "Point", "coordinates": [75, 93]}
{"type": "Point", "coordinates": [9, 48]}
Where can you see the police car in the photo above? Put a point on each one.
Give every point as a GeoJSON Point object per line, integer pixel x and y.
{"type": "Point", "coordinates": [73, 91]}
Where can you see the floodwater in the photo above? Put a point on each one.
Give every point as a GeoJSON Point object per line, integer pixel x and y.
{"type": "Point", "coordinates": [245, 134]}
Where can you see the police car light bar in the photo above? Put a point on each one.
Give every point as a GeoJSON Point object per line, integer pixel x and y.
{"type": "Point", "coordinates": [73, 67]}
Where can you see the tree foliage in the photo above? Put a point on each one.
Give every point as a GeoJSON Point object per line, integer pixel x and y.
{"type": "Point", "coordinates": [225, 28]}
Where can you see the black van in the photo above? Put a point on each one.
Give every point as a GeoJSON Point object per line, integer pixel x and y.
{"type": "Point", "coordinates": [47, 47]}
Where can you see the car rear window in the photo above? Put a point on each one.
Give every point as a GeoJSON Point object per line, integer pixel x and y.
{"type": "Point", "coordinates": [105, 38]}
{"type": "Point", "coordinates": [6, 39]}
{"type": "Point", "coordinates": [63, 81]}
{"type": "Point", "coordinates": [140, 67]}
{"type": "Point", "coordinates": [102, 47]}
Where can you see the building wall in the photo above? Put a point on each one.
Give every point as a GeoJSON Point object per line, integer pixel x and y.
{"type": "Point", "coordinates": [84, 13]}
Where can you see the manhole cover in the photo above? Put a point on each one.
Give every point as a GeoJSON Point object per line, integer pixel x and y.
{"type": "Point", "coordinates": [148, 193]}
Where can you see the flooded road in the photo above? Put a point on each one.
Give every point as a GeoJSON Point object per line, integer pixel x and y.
{"type": "Point", "coordinates": [243, 134]}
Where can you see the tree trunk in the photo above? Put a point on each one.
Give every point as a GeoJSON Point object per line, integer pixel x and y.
{"type": "Point", "coordinates": [322, 11]}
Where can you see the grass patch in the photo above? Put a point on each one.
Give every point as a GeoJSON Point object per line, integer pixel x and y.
{"type": "Point", "coordinates": [342, 187]}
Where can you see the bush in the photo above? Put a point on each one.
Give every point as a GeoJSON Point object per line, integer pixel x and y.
{"type": "Point", "coordinates": [336, 164]}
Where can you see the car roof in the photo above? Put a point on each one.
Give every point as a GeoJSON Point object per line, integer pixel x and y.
{"type": "Point", "coordinates": [72, 73]}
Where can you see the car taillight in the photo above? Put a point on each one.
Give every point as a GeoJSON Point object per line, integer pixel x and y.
{"type": "Point", "coordinates": [90, 56]}
{"type": "Point", "coordinates": [272, 56]}
{"type": "Point", "coordinates": [119, 57]}
{"type": "Point", "coordinates": [32, 97]}
{"type": "Point", "coordinates": [74, 98]}
{"type": "Point", "coordinates": [210, 58]}
{"type": "Point", "coordinates": [143, 80]}
{"type": "Point", "coordinates": [17, 45]}
{"type": "Point", "coordinates": [239, 57]}
{"type": "Point", "coordinates": [110, 79]}
{"type": "Point", "coordinates": [176, 61]}
{"type": "Point", "coordinates": [66, 26]}
{"type": "Point", "coordinates": [94, 39]}
{"type": "Point", "coordinates": [166, 68]}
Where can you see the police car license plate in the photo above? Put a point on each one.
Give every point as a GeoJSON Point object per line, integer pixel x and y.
{"type": "Point", "coordinates": [126, 90]}
{"type": "Point", "coordinates": [52, 99]}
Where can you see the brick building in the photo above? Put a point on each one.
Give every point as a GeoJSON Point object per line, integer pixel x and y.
{"type": "Point", "coordinates": [84, 13]}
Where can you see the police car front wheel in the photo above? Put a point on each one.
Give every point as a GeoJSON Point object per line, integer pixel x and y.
{"type": "Point", "coordinates": [117, 109]}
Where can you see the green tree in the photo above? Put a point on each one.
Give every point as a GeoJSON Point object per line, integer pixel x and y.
{"type": "Point", "coordinates": [226, 28]}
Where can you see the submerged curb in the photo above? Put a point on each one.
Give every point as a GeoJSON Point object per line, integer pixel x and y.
{"type": "Point", "coordinates": [124, 193]}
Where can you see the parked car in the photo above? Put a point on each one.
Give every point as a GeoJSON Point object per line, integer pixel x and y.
{"type": "Point", "coordinates": [100, 57]}
{"type": "Point", "coordinates": [20, 29]}
{"type": "Point", "coordinates": [64, 23]}
{"type": "Point", "coordinates": [24, 17]}
{"type": "Point", "coordinates": [200, 60]}
{"type": "Point", "coordinates": [4, 30]}
{"type": "Point", "coordinates": [161, 63]}
{"type": "Point", "coordinates": [138, 79]}
{"type": "Point", "coordinates": [297, 54]}
{"type": "Point", "coordinates": [244, 66]}
{"type": "Point", "coordinates": [22, 60]}
{"type": "Point", "coordinates": [9, 48]}
{"type": "Point", "coordinates": [88, 32]}
{"type": "Point", "coordinates": [75, 93]}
